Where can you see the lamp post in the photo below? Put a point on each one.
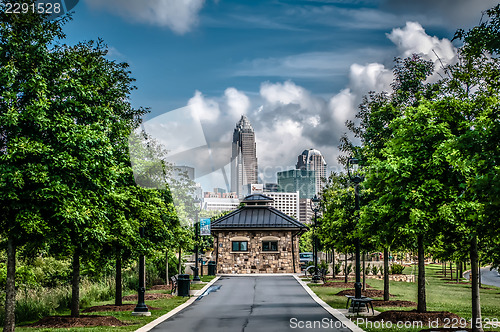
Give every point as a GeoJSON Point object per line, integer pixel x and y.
{"type": "Point", "coordinates": [196, 277]}
{"type": "Point", "coordinates": [141, 309]}
{"type": "Point", "coordinates": [356, 179]}
{"type": "Point", "coordinates": [315, 208]}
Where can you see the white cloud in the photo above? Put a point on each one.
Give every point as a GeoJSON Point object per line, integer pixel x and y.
{"type": "Point", "coordinates": [204, 109]}
{"type": "Point", "coordinates": [413, 39]}
{"type": "Point", "coordinates": [342, 106]}
{"type": "Point", "coordinates": [237, 102]}
{"type": "Point", "coordinates": [178, 15]}
{"type": "Point", "coordinates": [370, 77]}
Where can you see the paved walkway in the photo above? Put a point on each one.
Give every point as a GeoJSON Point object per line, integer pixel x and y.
{"type": "Point", "coordinates": [254, 304]}
{"type": "Point", "coordinates": [488, 277]}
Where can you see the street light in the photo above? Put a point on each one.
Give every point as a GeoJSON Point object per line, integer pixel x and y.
{"type": "Point", "coordinates": [356, 179]}
{"type": "Point", "coordinates": [141, 309]}
{"type": "Point", "coordinates": [314, 202]}
{"type": "Point", "coordinates": [197, 201]}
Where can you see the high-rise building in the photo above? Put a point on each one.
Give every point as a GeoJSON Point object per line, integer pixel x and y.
{"type": "Point", "coordinates": [312, 160]}
{"type": "Point", "coordinates": [299, 180]}
{"type": "Point", "coordinates": [244, 168]}
{"type": "Point", "coordinates": [288, 202]}
{"type": "Point", "coordinates": [306, 214]}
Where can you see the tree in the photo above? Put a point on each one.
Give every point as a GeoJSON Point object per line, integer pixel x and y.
{"type": "Point", "coordinates": [25, 76]}
{"type": "Point", "coordinates": [65, 123]}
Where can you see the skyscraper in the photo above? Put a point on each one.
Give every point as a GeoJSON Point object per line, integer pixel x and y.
{"type": "Point", "coordinates": [299, 180]}
{"type": "Point", "coordinates": [312, 160]}
{"type": "Point", "coordinates": [244, 168]}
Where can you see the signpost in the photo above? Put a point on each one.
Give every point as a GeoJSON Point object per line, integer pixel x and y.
{"type": "Point", "coordinates": [205, 226]}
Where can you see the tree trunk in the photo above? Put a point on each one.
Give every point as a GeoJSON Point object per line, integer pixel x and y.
{"type": "Point", "coordinates": [167, 279]}
{"type": "Point", "coordinates": [386, 274]}
{"type": "Point", "coordinates": [75, 285]}
{"type": "Point", "coordinates": [479, 273]}
{"type": "Point", "coordinates": [345, 269]}
{"type": "Point", "coordinates": [421, 300]}
{"type": "Point", "coordinates": [474, 276]}
{"type": "Point", "coordinates": [451, 270]}
{"type": "Point", "coordinates": [118, 279]}
{"type": "Point", "coordinates": [333, 263]}
{"type": "Point", "coordinates": [180, 261]}
{"type": "Point", "coordinates": [364, 271]}
{"type": "Point", "coordinates": [457, 270]}
{"type": "Point", "coordinates": [10, 299]}
{"type": "Point", "coordinates": [445, 269]}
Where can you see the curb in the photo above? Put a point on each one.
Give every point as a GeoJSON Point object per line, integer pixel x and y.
{"type": "Point", "coordinates": [174, 311]}
{"type": "Point", "coordinates": [334, 312]}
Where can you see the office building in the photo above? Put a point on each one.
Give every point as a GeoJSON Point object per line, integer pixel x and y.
{"type": "Point", "coordinates": [312, 160]}
{"type": "Point", "coordinates": [300, 180]}
{"type": "Point", "coordinates": [244, 169]}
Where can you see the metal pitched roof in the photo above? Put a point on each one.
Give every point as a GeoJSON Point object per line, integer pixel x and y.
{"type": "Point", "coordinates": [257, 217]}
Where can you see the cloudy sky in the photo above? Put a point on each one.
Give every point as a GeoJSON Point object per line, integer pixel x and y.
{"type": "Point", "coordinates": [296, 68]}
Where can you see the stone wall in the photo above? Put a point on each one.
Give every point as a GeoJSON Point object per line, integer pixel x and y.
{"type": "Point", "coordinates": [255, 260]}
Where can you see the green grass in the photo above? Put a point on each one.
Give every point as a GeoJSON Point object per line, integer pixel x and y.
{"type": "Point", "coordinates": [166, 305]}
{"type": "Point", "coordinates": [441, 296]}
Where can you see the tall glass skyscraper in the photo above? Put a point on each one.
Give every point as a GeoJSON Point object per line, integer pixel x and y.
{"type": "Point", "coordinates": [244, 169]}
{"type": "Point", "coordinates": [312, 160]}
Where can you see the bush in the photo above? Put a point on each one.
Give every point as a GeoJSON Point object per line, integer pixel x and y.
{"type": "Point", "coordinates": [338, 268]}
{"type": "Point", "coordinates": [348, 269]}
{"type": "Point", "coordinates": [367, 269]}
{"type": "Point", "coordinates": [375, 270]}
{"type": "Point", "coordinates": [323, 265]}
{"type": "Point", "coordinates": [396, 269]}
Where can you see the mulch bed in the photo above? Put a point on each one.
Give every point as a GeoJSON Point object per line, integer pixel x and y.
{"type": "Point", "coordinates": [393, 303]}
{"type": "Point", "coordinates": [369, 293]}
{"type": "Point", "coordinates": [161, 287]}
{"type": "Point", "coordinates": [112, 307]}
{"type": "Point", "coordinates": [340, 285]}
{"type": "Point", "coordinates": [82, 321]}
{"type": "Point", "coordinates": [147, 297]}
{"type": "Point", "coordinates": [396, 316]}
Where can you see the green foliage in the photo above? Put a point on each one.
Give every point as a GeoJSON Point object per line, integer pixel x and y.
{"type": "Point", "coordinates": [396, 269]}
{"type": "Point", "coordinates": [323, 265]}
{"type": "Point", "coordinates": [348, 269]}
{"type": "Point", "coordinates": [338, 268]}
{"type": "Point", "coordinates": [367, 269]}
{"type": "Point", "coordinates": [375, 270]}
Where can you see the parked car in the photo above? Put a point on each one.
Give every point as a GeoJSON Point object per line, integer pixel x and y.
{"type": "Point", "coordinates": [305, 258]}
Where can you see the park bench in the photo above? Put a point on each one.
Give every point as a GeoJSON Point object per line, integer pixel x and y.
{"type": "Point", "coordinates": [321, 273]}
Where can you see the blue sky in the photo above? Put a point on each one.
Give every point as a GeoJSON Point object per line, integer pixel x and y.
{"type": "Point", "coordinates": [297, 69]}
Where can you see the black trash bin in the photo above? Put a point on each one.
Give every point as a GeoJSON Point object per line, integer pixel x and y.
{"type": "Point", "coordinates": [211, 268]}
{"type": "Point", "coordinates": [183, 285]}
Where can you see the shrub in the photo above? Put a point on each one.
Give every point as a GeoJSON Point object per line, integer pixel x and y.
{"type": "Point", "coordinates": [348, 269]}
{"type": "Point", "coordinates": [323, 265]}
{"type": "Point", "coordinates": [367, 269]}
{"type": "Point", "coordinates": [396, 269]}
{"type": "Point", "coordinates": [375, 270]}
{"type": "Point", "coordinates": [338, 268]}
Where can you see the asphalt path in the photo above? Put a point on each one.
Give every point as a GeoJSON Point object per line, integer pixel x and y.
{"type": "Point", "coordinates": [253, 304]}
{"type": "Point", "coordinates": [488, 277]}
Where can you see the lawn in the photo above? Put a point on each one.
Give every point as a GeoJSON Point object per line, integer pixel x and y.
{"type": "Point", "coordinates": [442, 295]}
{"type": "Point", "coordinates": [165, 305]}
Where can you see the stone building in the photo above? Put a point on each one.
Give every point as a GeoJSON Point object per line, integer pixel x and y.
{"type": "Point", "coordinates": [257, 238]}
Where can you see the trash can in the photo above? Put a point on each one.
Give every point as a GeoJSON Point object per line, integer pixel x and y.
{"type": "Point", "coordinates": [183, 283]}
{"type": "Point", "coordinates": [211, 268]}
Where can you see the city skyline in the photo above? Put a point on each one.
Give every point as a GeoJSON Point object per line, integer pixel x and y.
{"type": "Point", "coordinates": [297, 69]}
